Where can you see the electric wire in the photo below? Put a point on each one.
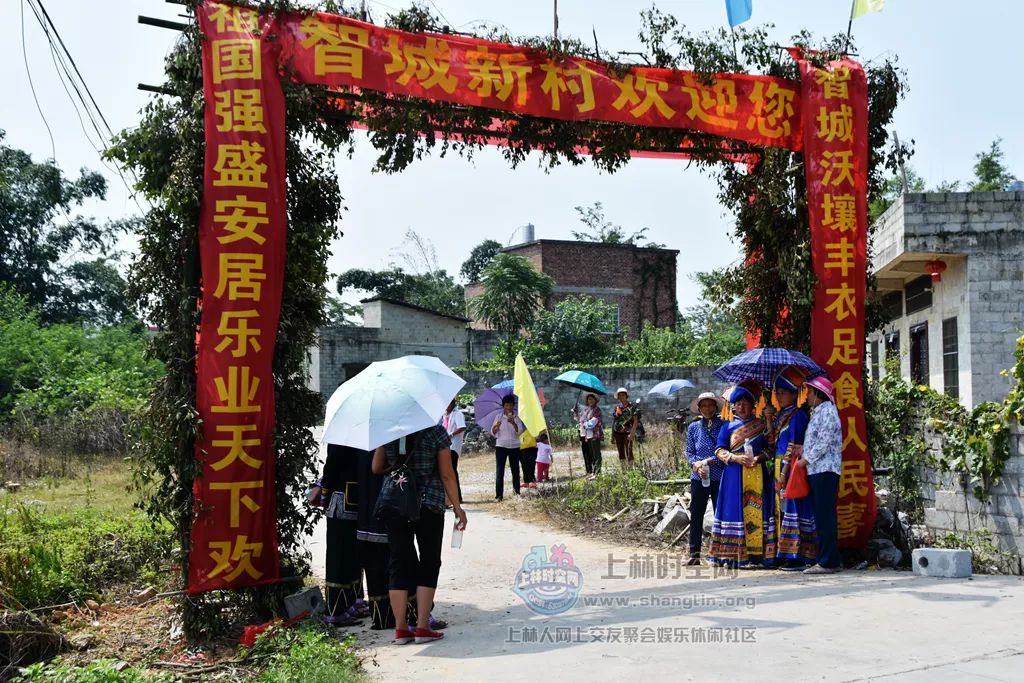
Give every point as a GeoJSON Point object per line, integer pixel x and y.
{"type": "Point", "coordinates": [32, 86]}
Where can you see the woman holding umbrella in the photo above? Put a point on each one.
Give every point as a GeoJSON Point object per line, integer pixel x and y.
{"type": "Point", "coordinates": [744, 530]}
{"type": "Point", "coordinates": [591, 428]}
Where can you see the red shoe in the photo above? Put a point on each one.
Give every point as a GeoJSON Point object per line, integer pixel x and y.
{"type": "Point", "coordinates": [404, 636]}
{"type": "Point", "coordinates": [425, 635]}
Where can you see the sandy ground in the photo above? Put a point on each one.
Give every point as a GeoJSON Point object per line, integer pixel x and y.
{"type": "Point", "coordinates": [641, 614]}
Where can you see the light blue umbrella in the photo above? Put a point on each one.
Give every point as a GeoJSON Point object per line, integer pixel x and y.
{"type": "Point", "coordinates": [582, 380]}
{"type": "Point", "coordinates": [388, 400]}
{"type": "Point", "coordinates": [505, 384]}
{"type": "Point", "coordinates": [671, 387]}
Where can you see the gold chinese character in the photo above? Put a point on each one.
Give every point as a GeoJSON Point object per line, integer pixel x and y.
{"type": "Point", "coordinates": [847, 391]}
{"type": "Point", "coordinates": [719, 98]}
{"type": "Point", "coordinates": [838, 167]}
{"type": "Point", "coordinates": [854, 480]}
{"type": "Point", "coordinates": [239, 111]}
{"type": "Point", "coordinates": [575, 81]}
{"type": "Point", "coordinates": [628, 87]}
{"type": "Point", "coordinates": [236, 58]}
{"type": "Point", "coordinates": [836, 124]}
{"type": "Point", "coordinates": [428, 64]}
{"type": "Point", "coordinates": [773, 110]}
{"type": "Point", "coordinates": [845, 348]}
{"type": "Point", "coordinates": [840, 256]}
{"type": "Point", "coordinates": [238, 392]}
{"type": "Point", "coordinates": [840, 212]}
{"type": "Point", "coordinates": [234, 558]}
{"type": "Point", "coordinates": [852, 435]}
{"type": "Point", "coordinates": [233, 19]}
{"type": "Point", "coordinates": [237, 498]}
{"type": "Point", "coordinates": [836, 82]}
{"type": "Point", "coordinates": [339, 47]}
{"type": "Point", "coordinates": [234, 327]}
{"type": "Point", "coordinates": [236, 445]}
{"type": "Point", "coordinates": [240, 165]}
{"type": "Point", "coordinates": [241, 223]}
{"type": "Point", "coordinates": [498, 75]}
{"type": "Point", "coordinates": [849, 517]}
{"type": "Point", "coordinates": [240, 275]}
{"type": "Point", "coordinates": [844, 305]}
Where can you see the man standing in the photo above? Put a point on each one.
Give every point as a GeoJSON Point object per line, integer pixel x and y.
{"type": "Point", "coordinates": [454, 422]}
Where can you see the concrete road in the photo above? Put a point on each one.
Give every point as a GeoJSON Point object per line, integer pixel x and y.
{"type": "Point", "coordinates": [641, 615]}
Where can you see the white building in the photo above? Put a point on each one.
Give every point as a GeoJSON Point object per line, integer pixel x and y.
{"type": "Point", "coordinates": [950, 270]}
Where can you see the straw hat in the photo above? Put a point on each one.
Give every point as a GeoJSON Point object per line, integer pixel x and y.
{"type": "Point", "coordinates": [707, 395]}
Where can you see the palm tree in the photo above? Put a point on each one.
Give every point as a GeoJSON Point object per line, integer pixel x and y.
{"type": "Point", "coordinates": [513, 293]}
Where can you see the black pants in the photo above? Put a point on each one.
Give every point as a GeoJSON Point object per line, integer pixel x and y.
{"type": "Point", "coordinates": [699, 497]}
{"type": "Point", "coordinates": [593, 448]}
{"type": "Point", "coordinates": [455, 467]}
{"type": "Point", "coordinates": [500, 456]}
{"type": "Point", "coordinates": [588, 462]}
{"type": "Point", "coordinates": [374, 559]}
{"type": "Point", "coordinates": [528, 461]}
{"type": "Point", "coordinates": [406, 570]}
{"type": "Point", "coordinates": [344, 575]}
{"type": "Point", "coordinates": [824, 490]}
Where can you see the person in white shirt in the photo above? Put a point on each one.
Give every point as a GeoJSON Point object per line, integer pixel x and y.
{"type": "Point", "coordinates": [454, 422]}
{"type": "Point", "coordinates": [506, 431]}
{"type": "Point", "coordinates": [543, 458]}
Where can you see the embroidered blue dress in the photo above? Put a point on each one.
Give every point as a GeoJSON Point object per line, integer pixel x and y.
{"type": "Point", "coordinates": [795, 516]}
{"type": "Point", "coordinates": [744, 528]}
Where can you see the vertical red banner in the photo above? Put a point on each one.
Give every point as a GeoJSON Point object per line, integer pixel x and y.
{"type": "Point", "coordinates": [242, 250]}
{"type": "Point", "coordinates": [834, 103]}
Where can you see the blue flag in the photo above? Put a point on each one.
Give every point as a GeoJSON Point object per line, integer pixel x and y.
{"type": "Point", "coordinates": [739, 10]}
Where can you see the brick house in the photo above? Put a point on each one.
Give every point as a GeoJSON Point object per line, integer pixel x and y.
{"type": "Point", "coordinates": [639, 281]}
{"type": "Point", "coordinates": [957, 330]}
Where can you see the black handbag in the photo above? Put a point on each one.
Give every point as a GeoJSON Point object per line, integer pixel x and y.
{"type": "Point", "coordinates": [399, 498]}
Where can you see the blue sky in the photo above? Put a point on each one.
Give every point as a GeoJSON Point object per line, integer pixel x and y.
{"type": "Point", "coordinates": [963, 60]}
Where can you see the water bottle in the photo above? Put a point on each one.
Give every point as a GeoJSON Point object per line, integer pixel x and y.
{"type": "Point", "coordinates": [457, 532]}
{"type": "Point", "coordinates": [747, 448]}
{"type": "Point", "coordinates": [705, 476]}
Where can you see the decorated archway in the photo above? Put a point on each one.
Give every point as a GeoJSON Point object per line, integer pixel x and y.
{"type": "Point", "coordinates": [243, 219]}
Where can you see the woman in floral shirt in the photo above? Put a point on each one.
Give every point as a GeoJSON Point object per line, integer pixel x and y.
{"type": "Point", "coordinates": [823, 453]}
{"type": "Point", "coordinates": [627, 417]}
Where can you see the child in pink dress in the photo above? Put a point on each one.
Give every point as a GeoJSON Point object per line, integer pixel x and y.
{"type": "Point", "coordinates": [543, 458]}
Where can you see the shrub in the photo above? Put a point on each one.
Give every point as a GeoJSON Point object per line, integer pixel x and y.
{"type": "Point", "coordinates": [309, 653]}
{"type": "Point", "coordinates": [100, 671]}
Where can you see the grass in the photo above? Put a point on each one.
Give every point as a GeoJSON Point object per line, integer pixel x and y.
{"type": "Point", "coordinates": [309, 653]}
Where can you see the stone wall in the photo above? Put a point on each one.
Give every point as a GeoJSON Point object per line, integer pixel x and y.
{"type": "Point", "coordinates": [561, 398]}
{"type": "Point", "coordinates": [950, 506]}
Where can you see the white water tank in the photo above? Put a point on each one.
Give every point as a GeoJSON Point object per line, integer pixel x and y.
{"type": "Point", "coordinates": [523, 234]}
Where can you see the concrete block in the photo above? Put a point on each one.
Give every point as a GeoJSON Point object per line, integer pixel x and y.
{"type": "Point", "coordinates": [939, 520]}
{"type": "Point", "coordinates": [674, 521]}
{"type": "Point", "coordinates": [941, 563]}
{"type": "Point", "coordinates": [1009, 505]}
{"type": "Point", "coordinates": [1004, 524]}
{"type": "Point", "coordinates": [310, 599]}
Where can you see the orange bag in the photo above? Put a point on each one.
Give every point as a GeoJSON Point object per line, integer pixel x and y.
{"type": "Point", "coordinates": [798, 487]}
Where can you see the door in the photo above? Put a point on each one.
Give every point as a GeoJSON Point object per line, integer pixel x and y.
{"type": "Point", "coordinates": [919, 354]}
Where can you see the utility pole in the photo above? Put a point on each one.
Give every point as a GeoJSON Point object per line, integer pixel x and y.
{"type": "Point", "coordinates": [556, 20]}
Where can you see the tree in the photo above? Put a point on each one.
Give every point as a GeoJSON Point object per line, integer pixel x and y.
{"type": "Point", "coordinates": [513, 293]}
{"type": "Point", "coordinates": [42, 241]}
{"type": "Point", "coordinates": [479, 258]}
{"type": "Point", "coordinates": [892, 189]}
{"type": "Point", "coordinates": [990, 172]}
{"type": "Point", "coordinates": [579, 330]}
{"type": "Point", "coordinates": [339, 313]}
{"type": "Point", "coordinates": [600, 229]}
{"type": "Point", "coordinates": [437, 291]}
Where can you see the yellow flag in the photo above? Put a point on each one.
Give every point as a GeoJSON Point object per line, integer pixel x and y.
{"type": "Point", "coordinates": [530, 410]}
{"type": "Point", "coordinates": [862, 7]}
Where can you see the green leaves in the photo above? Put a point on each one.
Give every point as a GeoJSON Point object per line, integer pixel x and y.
{"type": "Point", "coordinates": [514, 291]}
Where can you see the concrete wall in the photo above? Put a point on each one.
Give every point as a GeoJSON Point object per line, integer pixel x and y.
{"type": "Point", "coordinates": [950, 506]}
{"type": "Point", "coordinates": [560, 398]}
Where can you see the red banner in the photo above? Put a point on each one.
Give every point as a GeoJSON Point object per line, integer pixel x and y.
{"type": "Point", "coordinates": [242, 250]}
{"type": "Point", "coordinates": [331, 50]}
{"type": "Point", "coordinates": [835, 103]}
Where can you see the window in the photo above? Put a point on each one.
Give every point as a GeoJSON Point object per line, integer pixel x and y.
{"type": "Point", "coordinates": [919, 354]}
{"type": "Point", "coordinates": [950, 358]}
{"type": "Point", "coordinates": [918, 294]}
{"type": "Point", "coordinates": [874, 359]}
{"type": "Point", "coordinates": [892, 349]}
{"type": "Point", "coordinates": [892, 305]}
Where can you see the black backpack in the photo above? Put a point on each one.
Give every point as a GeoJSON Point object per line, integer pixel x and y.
{"type": "Point", "coordinates": [399, 498]}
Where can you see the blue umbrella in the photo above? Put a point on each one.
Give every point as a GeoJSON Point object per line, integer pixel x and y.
{"type": "Point", "coordinates": [505, 384]}
{"type": "Point", "coordinates": [764, 364]}
{"type": "Point", "coordinates": [671, 387]}
{"type": "Point", "coordinates": [487, 406]}
{"type": "Point", "coordinates": [582, 380]}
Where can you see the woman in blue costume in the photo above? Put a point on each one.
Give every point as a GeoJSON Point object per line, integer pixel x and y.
{"type": "Point", "coordinates": [797, 535]}
{"type": "Point", "coordinates": [744, 529]}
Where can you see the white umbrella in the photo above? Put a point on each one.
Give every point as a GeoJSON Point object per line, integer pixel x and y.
{"type": "Point", "coordinates": [388, 400]}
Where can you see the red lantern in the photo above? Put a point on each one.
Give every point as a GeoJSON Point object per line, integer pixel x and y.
{"type": "Point", "coordinates": [935, 269]}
